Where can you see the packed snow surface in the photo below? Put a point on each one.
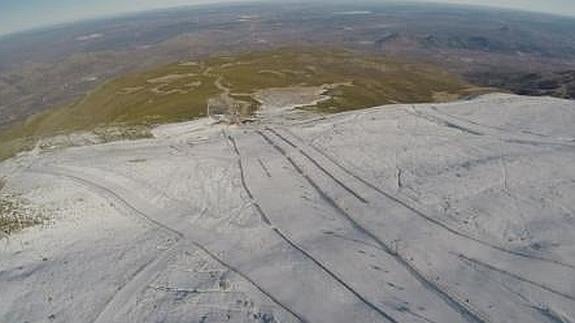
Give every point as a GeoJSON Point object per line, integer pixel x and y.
{"type": "Point", "coordinates": [457, 212]}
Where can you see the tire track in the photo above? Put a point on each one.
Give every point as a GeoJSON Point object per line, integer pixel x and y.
{"type": "Point", "coordinates": [547, 138]}
{"type": "Point", "coordinates": [266, 170]}
{"type": "Point", "coordinates": [441, 118]}
{"type": "Point", "coordinates": [550, 315]}
{"type": "Point", "coordinates": [429, 218]}
{"type": "Point", "coordinates": [180, 235]}
{"type": "Point", "coordinates": [136, 284]}
{"type": "Point", "coordinates": [445, 123]}
{"type": "Point", "coordinates": [464, 120]}
{"type": "Point", "coordinates": [527, 303]}
{"type": "Point", "coordinates": [307, 255]}
{"type": "Point", "coordinates": [450, 300]}
{"type": "Point", "coordinates": [325, 171]}
{"type": "Point", "coordinates": [113, 196]}
{"type": "Point", "coordinates": [485, 265]}
{"type": "Point", "coordinates": [515, 276]}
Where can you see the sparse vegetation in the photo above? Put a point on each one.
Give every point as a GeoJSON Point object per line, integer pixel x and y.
{"type": "Point", "coordinates": [15, 215]}
{"type": "Point", "coordinates": [180, 91]}
{"type": "Point", "coordinates": [366, 80]}
{"type": "Point", "coordinates": [122, 133]}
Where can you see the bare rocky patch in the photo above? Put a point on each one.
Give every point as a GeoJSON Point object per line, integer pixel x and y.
{"type": "Point", "coordinates": [281, 100]}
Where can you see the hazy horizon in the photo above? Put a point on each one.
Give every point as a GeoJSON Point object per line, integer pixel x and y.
{"type": "Point", "coordinates": [22, 15]}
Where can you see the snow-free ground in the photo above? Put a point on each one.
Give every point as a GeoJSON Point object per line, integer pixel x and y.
{"type": "Point", "coordinates": [457, 212]}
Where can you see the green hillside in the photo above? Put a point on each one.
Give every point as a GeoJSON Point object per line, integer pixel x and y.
{"type": "Point", "coordinates": [180, 91]}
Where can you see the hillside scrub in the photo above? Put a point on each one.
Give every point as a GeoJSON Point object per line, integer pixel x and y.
{"type": "Point", "coordinates": [16, 214]}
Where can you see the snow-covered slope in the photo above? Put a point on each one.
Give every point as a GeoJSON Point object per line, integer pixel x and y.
{"type": "Point", "coordinates": [458, 212]}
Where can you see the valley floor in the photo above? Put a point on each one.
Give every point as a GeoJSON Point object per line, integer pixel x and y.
{"type": "Point", "coordinates": [456, 212]}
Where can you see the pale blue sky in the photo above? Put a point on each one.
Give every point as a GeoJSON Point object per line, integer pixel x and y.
{"type": "Point", "coordinates": [18, 15]}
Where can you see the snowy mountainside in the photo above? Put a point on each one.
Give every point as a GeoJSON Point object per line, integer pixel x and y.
{"type": "Point", "coordinates": [453, 212]}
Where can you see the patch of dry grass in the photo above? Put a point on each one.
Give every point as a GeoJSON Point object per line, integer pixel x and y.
{"type": "Point", "coordinates": [16, 214]}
